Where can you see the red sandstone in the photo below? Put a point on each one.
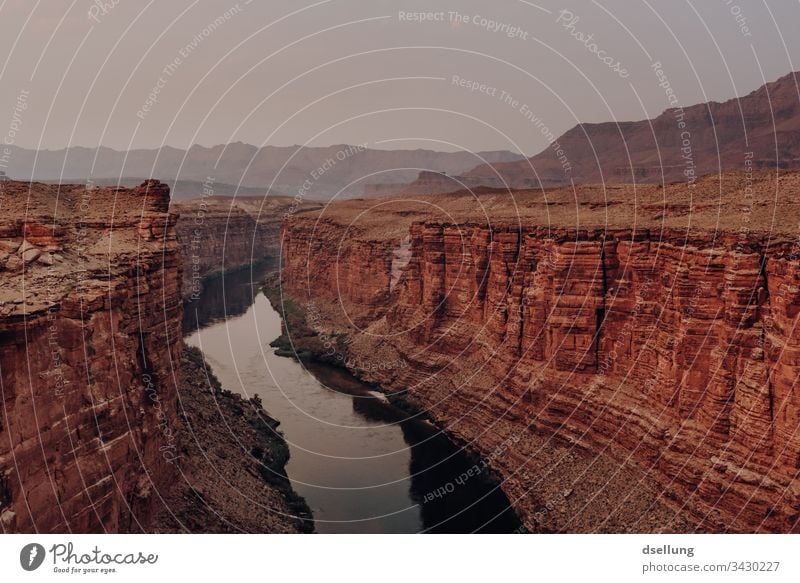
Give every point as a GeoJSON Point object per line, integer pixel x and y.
{"type": "Point", "coordinates": [664, 358]}
{"type": "Point", "coordinates": [89, 340]}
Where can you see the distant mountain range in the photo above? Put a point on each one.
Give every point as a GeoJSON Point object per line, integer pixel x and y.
{"type": "Point", "coordinates": [317, 172]}
{"type": "Point", "coordinates": [760, 130]}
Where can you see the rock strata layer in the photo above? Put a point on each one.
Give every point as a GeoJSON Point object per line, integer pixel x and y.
{"type": "Point", "coordinates": [652, 368]}
{"type": "Point", "coordinates": [89, 341]}
{"type": "Point", "coordinates": [219, 234]}
{"type": "Point", "coordinates": [105, 425]}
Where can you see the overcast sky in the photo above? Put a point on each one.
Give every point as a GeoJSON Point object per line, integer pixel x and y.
{"type": "Point", "coordinates": [360, 71]}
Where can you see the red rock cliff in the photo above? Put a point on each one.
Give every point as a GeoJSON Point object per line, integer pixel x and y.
{"type": "Point", "coordinates": [668, 351]}
{"type": "Point", "coordinates": [89, 341]}
{"type": "Point", "coordinates": [221, 233]}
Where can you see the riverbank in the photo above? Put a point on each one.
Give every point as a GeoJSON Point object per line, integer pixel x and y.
{"type": "Point", "coordinates": [299, 340]}
{"type": "Point", "coordinates": [231, 461]}
{"type": "Point", "coordinates": [317, 349]}
{"type": "Point", "coordinates": [553, 486]}
{"type": "Point", "coordinates": [647, 374]}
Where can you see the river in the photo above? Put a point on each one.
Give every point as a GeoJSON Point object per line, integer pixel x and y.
{"type": "Point", "coordinates": [361, 465]}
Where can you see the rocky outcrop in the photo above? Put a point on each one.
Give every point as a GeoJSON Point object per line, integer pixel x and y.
{"type": "Point", "coordinates": [89, 341]}
{"type": "Point", "coordinates": [232, 461]}
{"type": "Point", "coordinates": [92, 368]}
{"type": "Point", "coordinates": [660, 363]}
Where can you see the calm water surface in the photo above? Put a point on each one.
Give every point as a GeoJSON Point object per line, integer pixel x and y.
{"type": "Point", "coordinates": [361, 465]}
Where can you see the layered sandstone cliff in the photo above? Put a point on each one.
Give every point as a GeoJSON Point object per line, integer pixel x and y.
{"type": "Point", "coordinates": [220, 233]}
{"type": "Point", "coordinates": [89, 340]}
{"type": "Point", "coordinates": [617, 378]}
{"type": "Point", "coordinates": [105, 425]}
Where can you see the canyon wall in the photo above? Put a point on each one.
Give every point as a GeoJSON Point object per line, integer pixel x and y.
{"type": "Point", "coordinates": [670, 354]}
{"type": "Point", "coordinates": [89, 341]}
{"type": "Point", "coordinates": [219, 233]}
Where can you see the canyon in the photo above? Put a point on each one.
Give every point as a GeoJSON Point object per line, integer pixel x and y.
{"type": "Point", "coordinates": [624, 357]}
{"type": "Point", "coordinates": [221, 233]}
{"type": "Point", "coordinates": [108, 424]}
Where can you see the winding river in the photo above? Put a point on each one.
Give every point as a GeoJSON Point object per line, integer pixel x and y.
{"type": "Point", "coordinates": [361, 465]}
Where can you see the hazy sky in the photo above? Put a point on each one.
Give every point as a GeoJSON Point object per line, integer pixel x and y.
{"type": "Point", "coordinates": [361, 71]}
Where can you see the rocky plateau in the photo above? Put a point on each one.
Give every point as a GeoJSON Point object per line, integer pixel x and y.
{"type": "Point", "coordinates": [626, 358]}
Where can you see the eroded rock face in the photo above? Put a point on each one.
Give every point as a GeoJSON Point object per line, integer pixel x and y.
{"type": "Point", "coordinates": [89, 344]}
{"type": "Point", "coordinates": [218, 233]}
{"type": "Point", "coordinates": [671, 356]}
{"type": "Point", "coordinates": [232, 460]}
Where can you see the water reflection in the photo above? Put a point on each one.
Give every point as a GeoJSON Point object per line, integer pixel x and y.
{"type": "Point", "coordinates": [359, 462]}
{"type": "Point", "coordinates": [225, 296]}
{"type": "Point", "coordinates": [436, 463]}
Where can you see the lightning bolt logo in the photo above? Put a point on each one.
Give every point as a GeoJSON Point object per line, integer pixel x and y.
{"type": "Point", "coordinates": [31, 556]}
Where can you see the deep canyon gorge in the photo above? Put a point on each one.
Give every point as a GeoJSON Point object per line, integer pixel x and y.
{"type": "Point", "coordinates": [633, 373]}
{"type": "Point", "coordinates": [618, 378]}
{"type": "Point", "coordinates": [363, 464]}
{"type": "Point", "coordinates": [363, 271]}
{"type": "Point", "coordinates": [109, 424]}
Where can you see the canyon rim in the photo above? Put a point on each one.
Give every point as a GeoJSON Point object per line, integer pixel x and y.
{"type": "Point", "coordinates": [278, 273]}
